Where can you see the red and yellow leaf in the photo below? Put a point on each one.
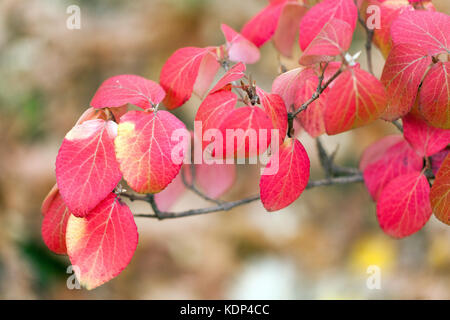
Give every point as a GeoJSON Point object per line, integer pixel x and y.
{"type": "Point", "coordinates": [440, 192]}
{"type": "Point", "coordinates": [274, 107]}
{"type": "Point", "coordinates": [404, 206]}
{"type": "Point", "coordinates": [435, 96]}
{"type": "Point", "coordinates": [356, 99]}
{"type": "Point", "coordinates": [149, 159]}
{"type": "Point", "coordinates": [86, 166]}
{"type": "Point", "coordinates": [377, 150]}
{"type": "Point", "coordinates": [285, 177]}
{"type": "Point", "coordinates": [101, 244]}
{"type": "Point", "coordinates": [120, 90]}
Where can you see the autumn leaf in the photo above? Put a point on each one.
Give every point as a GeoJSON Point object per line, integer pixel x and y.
{"type": "Point", "coordinates": [86, 166]}
{"type": "Point", "coordinates": [356, 99]}
{"type": "Point", "coordinates": [120, 90]}
{"type": "Point", "coordinates": [235, 73]}
{"type": "Point", "coordinates": [239, 49]}
{"type": "Point", "coordinates": [426, 140]}
{"type": "Point", "coordinates": [440, 192]}
{"type": "Point", "coordinates": [54, 224]}
{"type": "Point", "coordinates": [402, 74]}
{"type": "Point", "coordinates": [284, 179]}
{"type": "Point", "coordinates": [377, 150]}
{"type": "Point", "coordinates": [318, 16]}
{"type": "Point", "coordinates": [435, 96]}
{"type": "Point", "coordinates": [396, 160]}
{"type": "Point", "coordinates": [404, 206]}
{"type": "Point", "coordinates": [274, 107]}
{"type": "Point", "coordinates": [181, 71]}
{"type": "Point", "coordinates": [145, 149]}
{"type": "Point", "coordinates": [101, 244]}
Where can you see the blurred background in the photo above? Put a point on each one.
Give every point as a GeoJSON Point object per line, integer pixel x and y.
{"type": "Point", "coordinates": [320, 247]}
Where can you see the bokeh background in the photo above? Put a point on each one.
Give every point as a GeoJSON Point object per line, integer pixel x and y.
{"type": "Point", "coordinates": [320, 247]}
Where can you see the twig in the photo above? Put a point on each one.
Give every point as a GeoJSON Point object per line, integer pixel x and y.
{"type": "Point", "coordinates": [191, 186]}
{"type": "Point", "coordinates": [225, 206]}
{"type": "Point", "coordinates": [368, 45]}
{"type": "Point", "coordinates": [398, 125]}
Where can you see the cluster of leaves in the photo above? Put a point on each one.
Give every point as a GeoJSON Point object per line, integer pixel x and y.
{"type": "Point", "coordinates": [84, 216]}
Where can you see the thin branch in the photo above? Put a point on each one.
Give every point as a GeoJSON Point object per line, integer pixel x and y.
{"type": "Point", "coordinates": [225, 206]}
{"type": "Point", "coordinates": [398, 125]}
{"type": "Point", "coordinates": [369, 38]}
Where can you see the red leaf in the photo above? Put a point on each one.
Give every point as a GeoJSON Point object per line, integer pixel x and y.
{"type": "Point", "coordinates": [288, 25]}
{"type": "Point", "coordinates": [119, 90]}
{"type": "Point", "coordinates": [283, 181]}
{"type": "Point", "coordinates": [180, 72]}
{"type": "Point", "coordinates": [144, 149]}
{"type": "Point", "coordinates": [426, 29]}
{"type": "Point", "coordinates": [404, 206]}
{"type": "Point", "coordinates": [377, 150]}
{"type": "Point", "coordinates": [206, 74]}
{"type": "Point", "coordinates": [238, 47]}
{"type": "Point", "coordinates": [262, 26]}
{"type": "Point", "coordinates": [276, 110]}
{"type": "Point", "coordinates": [316, 18]}
{"type": "Point", "coordinates": [402, 74]}
{"type": "Point", "coordinates": [356, 99]}
{"type": "Point", "coordinates": [424, 139]}
{"type": "Point", "coordinates": [438, 158]}
{"type": "Point", "coordinates": [235, 73]}
{"type": "Point", "coordinates": [435, 96]}
{"type": "Point", "coordinates": [92, 114]}
{"type": "Point", "coordinates": [213, 111]}
{"type": "Point", "coordinates": [440, 192]}
{"type": "Point", "coordinates": [102, 244]}
{"type": "Point", "coordinates": [247, 125]}
{"type": "Point", "coordinates": [86, 166]}
{"type": "Point", "coordinates": [334, 39]}
{"type": "Point", "coordinates": [54, 224]}
{"type": "Point", "coordinates": [397, 160]}
{"type": "Point", "coordinates": [312, 119]}
{"type": "Point", "coordinates": [49, 199]}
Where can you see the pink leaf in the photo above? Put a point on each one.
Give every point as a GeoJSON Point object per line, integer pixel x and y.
{"type": "Point", "coordinates": [287, 84]}
{"type": "Point", "coordinates": [102, 244]}
{"type": "Point", "coordinates": [404, 206]}
{"type": "Point", "coordinates": [49, 198]}
{"type": "Point", "coordinates": [440, 192]}
{"type": "Point", "coordinates": [424, 139]}
{"type": "Point", "coordinates": [119, 90]}
{"type": "Point", "coordinates": [206, 74]}
{"type": "Point", "coordinates": [276, 110]}
{"type": "Point", "coordinates": [149, 159]}
{"type": "Point", "coordinates": [250, 129]}
{"type": "Point", "coordinates": [262, 26]}
{"type": "Point", "coordinates": [239, 48]}
{"type": "Point", "coordinates": [215, 179]}
{"type": "Point", "coordinates": [377, 150]}
{"type": "Point", "coordinates": [435, 96]}
{"type": "Point", "coordinates": [235, 73]}
{"type": "Point", "coordinates": [288, 26]}
{"type": "Point", "coordinates": [167, 198]}
{"type": "Point", "coordinates": [402, 74]}
{"type": "Point", "coordinates": [397, 160]}
{"type": "Point", "coordinates": [356, 99]}
{"type": "Point", "coordinates": [283, 181]}
{"type": "Point", "coordinates": [426, 29]}
{"type": "Point", "coordinates": [334, 39]}
{"type": "Point", "coordinates": [316, 18]}
{"type": "Point", "coordinates": [54, 224]}
{"type": "Point", "coordinates": [92, 114]}
{"type": "Point", "coordinates": [180, 72]}
{"type": "Point", "coordinates": [214, 110]}
{"type": "Point", "coordinates": [86, 166]}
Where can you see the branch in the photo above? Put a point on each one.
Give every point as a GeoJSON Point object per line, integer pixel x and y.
{"type": "Point", "coordinates": [369, 38]}
{"type": "Point", "coordinates": [398, 125]}
{"type": "Point", "coordinates": [225, 206]}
